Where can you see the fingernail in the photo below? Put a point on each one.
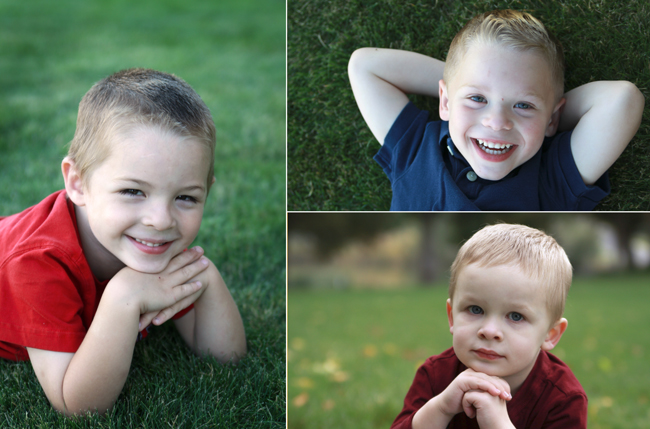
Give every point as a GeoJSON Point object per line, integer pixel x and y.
{"type": "Point", "coordinates": [156, 320]}
{"type": "Point", "coordinates": [199, 284]}
{"type": "Point", "coordinates": [204, 261]}
{"type": "Point", "coordinates": [139, 326]}
{"type": "Point", "coordinates": [198, 249]}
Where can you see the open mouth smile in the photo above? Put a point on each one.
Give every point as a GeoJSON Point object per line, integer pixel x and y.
{"type": "Point", "coordinates": [492, 150]}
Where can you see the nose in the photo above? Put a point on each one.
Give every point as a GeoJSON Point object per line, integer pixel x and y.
{"type": "Point", "coordinates": [490, 330]}
{"type": "Point", "coordinates": [497, 119]}
{"type": "Point", "coordinates": [159, 216]}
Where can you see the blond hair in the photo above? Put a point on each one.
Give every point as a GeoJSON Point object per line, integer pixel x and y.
{"type": "Point", "coordinates": [138, 97]}
{"type": "Point", "coordinates": [538, 255]}
{"type": "Point", "coordinates": [512, 29]}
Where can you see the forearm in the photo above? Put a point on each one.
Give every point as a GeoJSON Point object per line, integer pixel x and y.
{"type": "Point", "coordinates": [410, 72]}
{"type": "Point", "coordinates": [619, 99]}
{"type": "Point", "coordinates": [99, 368]}
{"type": "Point", "coordinates": [218, 327]}
{"type": "Point", "coordinates": [431, 416]}
{"type": "Point", "coordinates": [590, 111]}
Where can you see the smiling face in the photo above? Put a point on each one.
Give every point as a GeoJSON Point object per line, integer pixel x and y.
{"type": "Point", "coordinates": [500, 106]}
{"type": "Point", "coordinates": [499, 321]}
{"type": "Point", "coordinates": [143, 205]}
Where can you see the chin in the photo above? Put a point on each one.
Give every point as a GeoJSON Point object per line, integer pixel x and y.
{"type": "Point", "coordinates": [491, 175]}
{"type": "Point", "coordinates": [153, 267]}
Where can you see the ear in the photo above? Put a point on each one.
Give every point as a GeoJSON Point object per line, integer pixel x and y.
{"type": "Point", "coordinates": [444, 100]}
{"type": "Point", "coordinates": [450, 316]}
{"type": "Point", "coordinates": [74, 186]}
{"type": "Point", "coordinates": [554, 334]}
{"type": "Point", "coordinates": [554, 123]}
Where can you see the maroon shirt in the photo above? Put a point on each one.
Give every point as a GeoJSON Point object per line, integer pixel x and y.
{"type": "Point", "coordinates": [551, 396]}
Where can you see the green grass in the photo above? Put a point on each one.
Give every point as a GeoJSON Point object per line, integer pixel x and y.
{"type": "Point", "coordinates": [330, 148]}
{"type": "Point", "coordinates": [233, 54]}
{"type": "Point", "coordinates": [353, 354]}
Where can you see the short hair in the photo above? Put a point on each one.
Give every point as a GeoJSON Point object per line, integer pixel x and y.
{"type": "Point", "coordinates": [536, 253]}
{"type": "Point", "coordinates": [512, 29]}
{"type": "Point", "coordinates": [134, 97]}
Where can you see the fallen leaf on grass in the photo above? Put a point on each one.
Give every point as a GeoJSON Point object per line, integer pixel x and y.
{"type": "Point", "coordinates": [340, 376]}
{"type": "Point", "coordinates": [370, 351]}
{"type": "Point", "coordinates": [305, 383]}
{"type": "Point", "coordinates": [328, 405]}
{"type": "Point", "coordinates": [301, 399]}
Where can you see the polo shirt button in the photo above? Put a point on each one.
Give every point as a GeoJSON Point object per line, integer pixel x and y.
{"type": "Point", "coordinates": [471, 176]}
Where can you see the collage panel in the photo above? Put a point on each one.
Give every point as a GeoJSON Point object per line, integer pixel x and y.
{"type": "Point", "coordinates": [142, 214]}
{"type": "Point", "coordinates": [467, 105]}
{"type": "Point", "coordinates": [551, 304]}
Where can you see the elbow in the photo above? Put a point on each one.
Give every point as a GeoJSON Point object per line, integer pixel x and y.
{"type": "Point", "coordinates": [632, 100]}
{"type": "Point", "coordinates": [358, 59]}
{"type": "Point", "coordinates": [233, 355]}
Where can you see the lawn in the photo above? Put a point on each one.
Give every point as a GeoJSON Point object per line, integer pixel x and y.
{"type": "Point", "coordinates": [330, 148]}
{"type": "Point", "coordinates": [353, 354]}
{"type": "Point", "coordinates": [233, 54]}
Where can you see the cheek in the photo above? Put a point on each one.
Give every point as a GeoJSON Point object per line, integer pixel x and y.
{"type": "Point", "coordinates": [190, 223]}
{"type": "Point", "coordinates": [533, 131]}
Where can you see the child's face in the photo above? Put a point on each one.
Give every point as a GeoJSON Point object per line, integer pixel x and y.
{"type": "Point", "coordinates": [144, 203]}
{"type": "Point", "coordinates": [499, 105]}
{"type": "Point", "coordinates": [499, 321]}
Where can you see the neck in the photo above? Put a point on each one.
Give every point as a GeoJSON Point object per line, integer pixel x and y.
{"type": "Point", "coordinates": [103, 264]}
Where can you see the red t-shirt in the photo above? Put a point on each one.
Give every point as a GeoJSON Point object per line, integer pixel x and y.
{"type": "Point", "coordinates": [551, 396]}
{"type": "Point", "coordinates": [48, 294]}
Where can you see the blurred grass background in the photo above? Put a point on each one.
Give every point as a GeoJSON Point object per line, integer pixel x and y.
{"type": "Point", "coordinates": [233, 54]}
{"type": "Point", "coordinates": [330, 148]}
{"type": "Point", "coordinates": [352, 354]}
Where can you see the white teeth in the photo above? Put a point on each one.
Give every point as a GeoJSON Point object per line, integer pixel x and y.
{"type": "Point", "coordinates": [147, 243]}
{"type": "Point", "coordinates": [493, 148]}
{"type": "Point", "coordinates": [492, 145]}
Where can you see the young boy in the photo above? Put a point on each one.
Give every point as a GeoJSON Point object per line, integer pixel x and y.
{"type": "Point", "coordinates": [89, 267]}
{"type": "Point", "coordinates": [507, 292]}
{"type": "Point", "coordinates": [501, 104]}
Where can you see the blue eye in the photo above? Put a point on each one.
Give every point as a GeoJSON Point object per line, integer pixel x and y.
{"type": "Point", "coordinates": [524, 106]}
{"type": "Point", "coordinates": [475, 309]}
{"type": "Point", "coordinates": [516, 317]}
{"type": "Point", "coordinates": [478, 98]}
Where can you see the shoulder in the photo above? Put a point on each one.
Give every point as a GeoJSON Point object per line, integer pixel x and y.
{"type": "Point", "coordinates": [560, 377]}
{"type": "Point", "coordinates": [441, 369]}
{"type": "Point", "coordinates": [562, 185]}
{"type": "Point", "coordinates": [43, 235]}
{"type": "Point", "coordinates": [412, 138]}
{"type": "Point", "coordinates": [551, 397]}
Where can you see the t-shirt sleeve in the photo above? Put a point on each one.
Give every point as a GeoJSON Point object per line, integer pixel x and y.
{"type": "Point", "coordinates": [420, 392]}
{"type": "Point", "coordinates": [561, 180]}
{"type": "Point", "coordinates": [41, 302]}
{"type": "Point", "coordinates": [402, 142]}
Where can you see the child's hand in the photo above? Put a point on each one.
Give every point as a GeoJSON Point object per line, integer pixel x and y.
{"type": "Point", "coordinates": [171, 287]}
{"type": "Point", "coordinates": [452, 399]}
{"type": "Point", "coordinates": [490, 411]}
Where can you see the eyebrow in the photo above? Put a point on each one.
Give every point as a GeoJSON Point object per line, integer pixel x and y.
{"type": "Point", "coordinates": [144, 183]}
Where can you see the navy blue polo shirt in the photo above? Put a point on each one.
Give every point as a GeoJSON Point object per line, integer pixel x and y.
{"type": "Point", "coordinates": [427, 173]}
